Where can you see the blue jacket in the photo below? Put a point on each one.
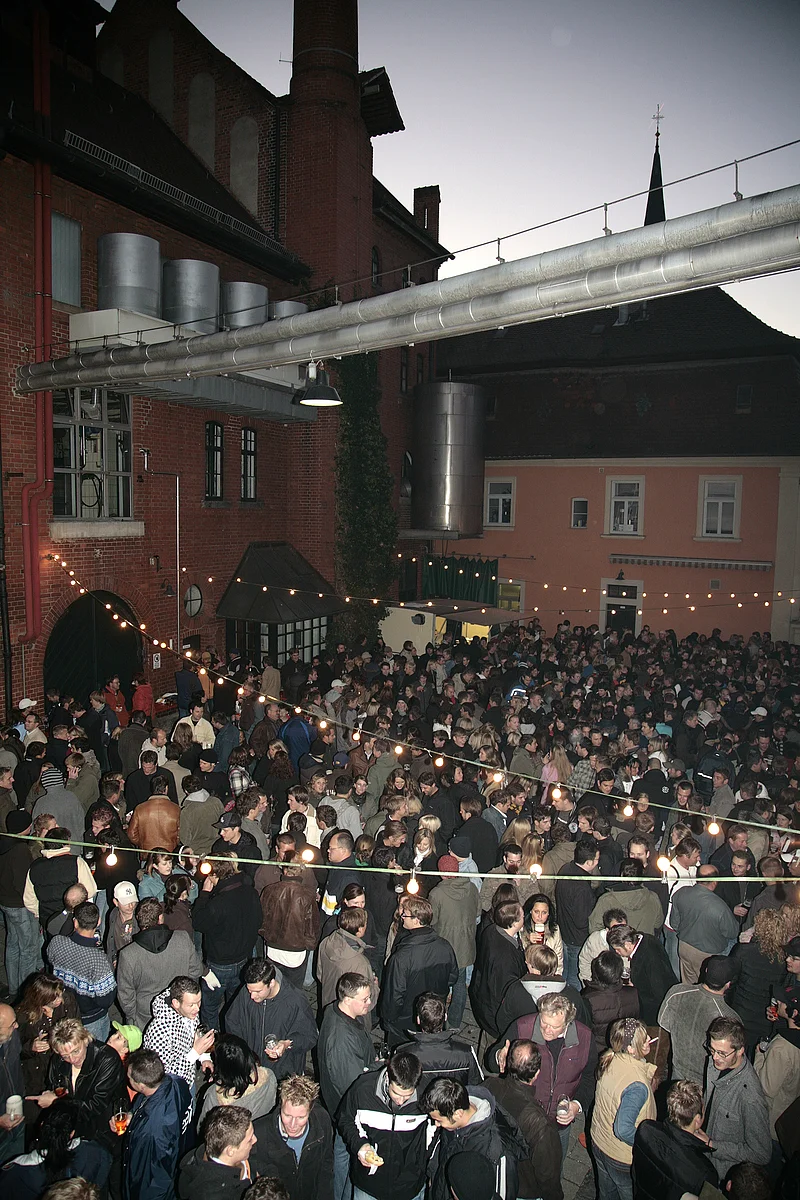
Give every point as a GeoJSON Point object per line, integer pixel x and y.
{"type": "Point", "coordinates": [297, 735]}
{"type": "Point", "coordinates": [154, 1141]}
{"type": "Point", "coordinates": [226, 740]}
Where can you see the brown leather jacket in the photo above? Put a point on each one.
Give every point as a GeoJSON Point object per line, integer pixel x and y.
{"type": "Point", "coordinates": [154, 823]}
{"type": "Point", "coordinates": [289, 915]}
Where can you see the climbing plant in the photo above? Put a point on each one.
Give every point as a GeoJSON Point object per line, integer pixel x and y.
{"type": "Point", "coordinates": [366, 524]}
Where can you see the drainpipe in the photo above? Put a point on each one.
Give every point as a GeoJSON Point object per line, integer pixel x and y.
{"type": "Point", "coordinates": [42, 486]}
{"type": "Point", "coordinates": [5, 624]}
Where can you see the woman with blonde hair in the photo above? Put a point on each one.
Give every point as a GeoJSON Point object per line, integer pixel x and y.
{"type": "Point", "coordinates": [92, 1077]}
{"type": "Point", "coordinates": [624, 1098]}
{"type": "Point", "coordinates": [758, 962]}
{"type": "Point", "coordinates": [517, 829]}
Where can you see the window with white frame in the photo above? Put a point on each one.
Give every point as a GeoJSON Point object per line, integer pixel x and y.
{"type": "Point", "coordinates": [719, 505]}
{"type": "Point", "coordinates": [509, 596]}
{"type": "Point", "coordinates": [499, 503]}
{"type": "Point", "coordinates": [580, 513]}
{"type": "Point", "coordinates": [92, 473]}
{"type": "Point", "coordinates": [625, 515]}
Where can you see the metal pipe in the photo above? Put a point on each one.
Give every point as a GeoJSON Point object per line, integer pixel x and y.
{"type": "Point", "coordinates": [5, 624]}
{"type": "Point", "coordinates": [623, 281]}
{"type": "Point", "coordinates": [709, 226]}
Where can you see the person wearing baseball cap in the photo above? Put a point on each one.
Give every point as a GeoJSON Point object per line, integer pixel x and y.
{"type": "Point", "coordinates": [125, 1039]}
{"type": "Point", "coordinates": [233, 837]}
{"type": "Point", "coordinates": [122, 924]}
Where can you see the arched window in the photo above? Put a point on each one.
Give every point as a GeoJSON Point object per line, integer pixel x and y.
{"type": "Point", "coordinates": [244, 162]}
{"type": "Point", "coordinates": [376, 267]}
{"type": "Point", "coordinates": [202, 118]}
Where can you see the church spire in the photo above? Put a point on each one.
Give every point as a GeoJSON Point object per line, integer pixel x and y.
{"type": "Point", "coordinates": [655, 211]}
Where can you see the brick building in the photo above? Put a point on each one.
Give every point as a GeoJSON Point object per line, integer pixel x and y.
{"type": "Point", "coordinates": [146, 128]}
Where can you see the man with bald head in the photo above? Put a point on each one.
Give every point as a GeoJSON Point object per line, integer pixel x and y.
{"type": "Point", "coordinates": [12, 1129]}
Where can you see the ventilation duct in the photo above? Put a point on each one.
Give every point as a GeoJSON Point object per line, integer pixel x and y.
{"type": "Point", "coordinates": [129, 273]}
{"type": "Point", "coordinates": [191, 295]}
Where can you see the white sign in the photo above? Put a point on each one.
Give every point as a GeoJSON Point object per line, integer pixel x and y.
{"type": "Point", "coordinates": [156, 662]}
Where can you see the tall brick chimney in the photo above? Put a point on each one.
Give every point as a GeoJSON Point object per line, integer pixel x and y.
{"type": "Point", "coordinates": [329, 162]}
{"type": "Point", "coordinates": [426, 209]}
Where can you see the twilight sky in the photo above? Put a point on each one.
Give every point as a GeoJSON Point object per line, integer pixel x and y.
{"type": "Point", "coordinates": [527, 110]}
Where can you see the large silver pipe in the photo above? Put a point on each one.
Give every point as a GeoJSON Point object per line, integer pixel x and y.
{"type": "Point", "coordinates": [693, 251]}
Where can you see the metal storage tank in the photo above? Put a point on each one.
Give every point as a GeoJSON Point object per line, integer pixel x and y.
{"type": "Point", "coordinates": [191, 295]}
{"type": "Point", "coordinates": [129, 273]}
{"type": "Point", "coordinates": [447, 492]}
{"type": "Point", "coordinates": [286, 308]}
{"type": "Point", "coordinates": [243, 304]}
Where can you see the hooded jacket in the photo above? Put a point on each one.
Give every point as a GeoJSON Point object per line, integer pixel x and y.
{"type": "Point", "coordinates": [65, 807]}
{"type": "Point", "coordinates": [443, 1054]}
{"type": "Point", "coordinates": [421, 962]}
{"type": "Point", "coordinates": [149, 964]}
{"type": "Point", "coordinates": [399, 1133]}
{"type": "Point", "coordinates": [491, 1133]}
{"type": "Point", "coordinates": [229, 919]}
{"type": "Point", "coordinates": [154, 1141]}
{"type": "Point", "coordinates": [522, 996]}
{"type": "Point", "coordinates": [199, 811]}
{"type": "Point", "coordinates": [642, 906]}
{"type": "Point", "coordinates": [338, 954]}
{"type": "Point", "coordinates": [312, 1177]}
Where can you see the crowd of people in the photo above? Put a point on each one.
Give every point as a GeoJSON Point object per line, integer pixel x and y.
{"type": "Point", "coordinates": [388, 925]}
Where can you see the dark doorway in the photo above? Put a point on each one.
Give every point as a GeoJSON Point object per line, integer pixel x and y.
{"type": "Point", "coordinates": [87, 647]}
{"type": "Point", "coordinates": [621, 617]}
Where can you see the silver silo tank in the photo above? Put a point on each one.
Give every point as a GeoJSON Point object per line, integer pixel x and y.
{"type": "Point", "coordinates": [448, 457]}
{"type": "Point", "coordinates": [129, 273]}
{"type": "Point", "coordinates": [286, 308]}
{"type": "Point", "coordinates": [243, 304]}
{"type": "Point", "coordinates": [190, 295]}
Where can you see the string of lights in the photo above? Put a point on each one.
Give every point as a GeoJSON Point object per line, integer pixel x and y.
{"type": "Point", "coordinates": [499, 776]}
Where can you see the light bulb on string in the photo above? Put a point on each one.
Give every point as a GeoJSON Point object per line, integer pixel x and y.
{"type": "Point", "coordinates": [412, 887]}
{"type": "Point", "coordinates": [713, 828]}
{"type": "Point", "coordinates": [627, 810]}
{"type": "Point", "coordinates": [205, 868]}
{"type": "Point", "coordinates": [111, 859]}
{"type": "Point", "coordinates": [536, 870]}
{"type": "Point", "coordinates": [663, 864]}
{"type": "Point", "coordinates": [220, 681]}
{"type": "Point", "coordinates": [556, 793]}
{"type": "Point", "coordinates": [298, 710]}
{"type": "Point", "coordinates": [202, 671]}
{"type": "Point", "coordinates": [307, 855]}
{"type": "Point", "coordinates": [438, 762]}
{"type": "Point", "coordinates": [398, 750]}
{"type": "Point", "coordinates": [323, 725]}
{"type": "Point", "coordinates": [240, 691]}
{"type": "Point", "coordinates": [262, 699]}
{"type": "Point", "coordinates": [497, 777]}
{"type": "Point", "coordinates": [356, 735]}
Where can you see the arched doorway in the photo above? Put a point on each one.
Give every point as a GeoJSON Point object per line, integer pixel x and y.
{"type": "Point", "coordinates": [88, 646]}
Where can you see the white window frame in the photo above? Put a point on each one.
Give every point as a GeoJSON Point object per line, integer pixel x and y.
{"type": "Point", "coordinates": [611, 480]}
{"type": "Point", "coordinates": [493, 479]}
{"type": "Point", "coordinates": [702, 502]}
{"type": "Point", "coordinates": [520, 583]}
{"type": "Point", "coordinates": [578, 500]}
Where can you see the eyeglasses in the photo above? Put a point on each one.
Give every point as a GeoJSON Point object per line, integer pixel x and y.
{"type": "Point", "coordinates": [709, 1049]}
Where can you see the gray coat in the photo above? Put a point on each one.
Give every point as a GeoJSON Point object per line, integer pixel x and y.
{"type": "Point", "coordinates": [148, 965]}
{"type": "Point", "coordinates": [738, 1124]}
{"type": "Point", "coordinates": [703, 920]}
{"type": "Point", "coordinates": [456, 904]}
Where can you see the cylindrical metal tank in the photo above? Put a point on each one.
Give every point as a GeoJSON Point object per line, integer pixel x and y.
{"type": "Point", "coordinates": [286, 308]}
{"type": "Point", "coordinates": [447, 492]}
{"type": "Point", "coordinates": [190, 294]}
{"type": "Point", "coordinates": [243, 304]}
{"type": "Point", "coordinates": [129, 273]}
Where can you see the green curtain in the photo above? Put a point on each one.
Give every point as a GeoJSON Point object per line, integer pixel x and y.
{"type": "Point", "coordinates": [460, 579]}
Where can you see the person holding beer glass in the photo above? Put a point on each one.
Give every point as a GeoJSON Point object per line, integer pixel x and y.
{"type": "Point", "coordinates": [90, 1074]}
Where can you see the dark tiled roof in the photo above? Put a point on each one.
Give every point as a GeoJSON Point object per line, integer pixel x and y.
{"type": "Point", "coordinates": [386, 205]}
{"type": "Point", "coordinates": [280, 567]}
{"type": "Point", "coordinates": [379, 110]}
{"type": "Point", "coordinates": [641, 398]}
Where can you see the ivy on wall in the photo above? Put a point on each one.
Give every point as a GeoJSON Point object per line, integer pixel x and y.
{"type": "Point", "coordinates": [366, 524]}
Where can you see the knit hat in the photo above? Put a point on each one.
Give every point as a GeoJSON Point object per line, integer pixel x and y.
{"type": "Point", "coordinates": [18, 821]}
{"type": "Point", "coordinates": [792, 948]}
{"type": "Point", "coordinates": [461, 847]}
{"type": "Point", "coordinates": [471, 1176]}
{"type": "Point", "coordinates": [51, 778]}
{"type": "Point", "coordinates": [448, 864]}
{"type": "Point", "coordinates": [131, 1033]}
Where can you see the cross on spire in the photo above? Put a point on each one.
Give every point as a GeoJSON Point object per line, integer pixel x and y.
{"type": "Point", "coordinates": [658, 117]}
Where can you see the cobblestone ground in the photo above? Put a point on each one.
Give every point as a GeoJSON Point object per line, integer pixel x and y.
{"type": "Point", "coordinates": [577, 1176]}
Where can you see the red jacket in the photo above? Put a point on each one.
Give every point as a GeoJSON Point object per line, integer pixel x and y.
{"type": "Point", "coordinates": [142, 700]}
{"type": "Point", "coordinates": [116, 702]}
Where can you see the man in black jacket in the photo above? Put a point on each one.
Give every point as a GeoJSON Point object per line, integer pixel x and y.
{"type": "Point", "coordinates": [344, 1052]}
{"type": "Point", "coordinates": [672, 1157]}
{"type": "Point", "coordinates": [268, 1007]}
{"type": "Point", "coordinates": [228, 914]}
{"type": "Point", "coordinates": [219, 1168]}
{"type": "Point", "coordinates": [233, 838]}
{"type": "Point", "coordinates": [575, 899]}
{"type": "Point", "coordinates": [651, 973]}
{"type": "Point", "coordinates": [437, 1048]}
{"type": "Point", "coordinates": [540, 1172]}
{"type": "Point", "coordinates": [295, 1142]}
{"type": "Point", "coordinates": [498, 961]}
{"type": "Point", "coordinates": [479, 833]}
{"type": "Point", "coordinates": [420, 961]}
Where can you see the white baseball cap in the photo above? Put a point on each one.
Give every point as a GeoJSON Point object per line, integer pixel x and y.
{"type": "Point", "coordinates": [27, 703]}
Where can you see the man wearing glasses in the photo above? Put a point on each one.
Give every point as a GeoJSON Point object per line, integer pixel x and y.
{"type": "Point", "coordinates": [737, 1119]}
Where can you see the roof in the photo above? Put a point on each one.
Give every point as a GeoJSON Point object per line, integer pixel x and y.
{"type": "Point", "coordinates": [261, 587]}
{"type": "Point", "coordinates": [386, 205]}
{"type": "Point", "coordinates": [379, 110]}
{"type": "Point", "coordinates": [106, 138]}
{"type": "Point", "coordinates": [588, 386]}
